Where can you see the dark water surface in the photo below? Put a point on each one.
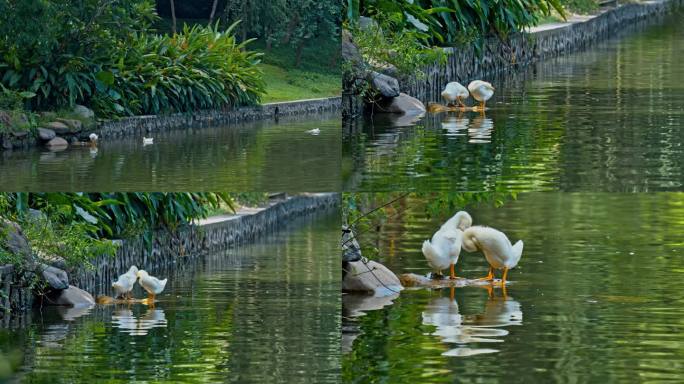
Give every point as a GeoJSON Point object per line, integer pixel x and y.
{"type": "Point", "coordinates": [265, 312]}
{"type": "Point", "coordinates": [607, 119]}
{"type": "Point", "coordinates": [597, 297]}
{"type": "Point", "coordinates": [246, 157]}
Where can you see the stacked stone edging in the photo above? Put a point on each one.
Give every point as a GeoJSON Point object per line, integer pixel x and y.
{"type": "Point", "coordinates": [142, 125]}
{"type": "Point", "coordinates": [465, 64]}
{"type": "Point", "coordinates": [169, 250]}
{"type": "Point", "coordinates": [175, 249]}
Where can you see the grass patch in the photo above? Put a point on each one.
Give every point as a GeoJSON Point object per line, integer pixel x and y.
{"type": "Point", "coordinates": [318, 75]}
{"type": "Point", "coordinates": [292, 84]}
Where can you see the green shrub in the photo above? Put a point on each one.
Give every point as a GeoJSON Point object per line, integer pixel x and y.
{"type": "Point", "coordinates": [382, 44]}
{"type": "Point", "coordinates": [449, 22]}
{"type": "Point", "coordinates": [103, 53]}
{"type": "Point", "coordinates": [79, 226]}
{"type": "Point", "coordinates": [199, 68]}
{"type": "Point", "coordinates": [580, 6]}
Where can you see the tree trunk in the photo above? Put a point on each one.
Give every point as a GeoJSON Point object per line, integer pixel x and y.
{"type": "Point", "coordinates": [213, 11]}
{"type": "Point", "coordinates": [173, 16]}
{"type": "Point", "coordinates": [290, 28]}
{"type": "Point", "coordinates": [267, 37]}
{"type": "Point", "coordinates": [300, 48]}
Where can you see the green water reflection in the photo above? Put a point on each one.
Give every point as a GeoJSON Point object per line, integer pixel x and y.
{"type": "Point", "coordinates": [607, 119]}
{"type": "Point", "coordinates": [247, 157]}
{"type": "Point", "coordinates": [265, 312]}
{"type": "Point", "coordinates": [596, 297]}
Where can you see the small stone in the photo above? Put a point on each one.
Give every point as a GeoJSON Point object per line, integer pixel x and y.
{"type": "Point", "coordinates": [20, 134]}
{"type": "Point", "coordinates": [402, 104]}
{"type": "Point", "coordinates": [74, 125]}
{"type": "Point", "coordinates": [46, 134]}
{"type": "Point", "coordinates": [351, 251]}
{"type": "Point", "coordinates": [55, 277]}
{"type": "Point", "coordinates": [73, 297]}
{"type": "Point", "coordinates": [386, 85]}
{"type": "Point", "coordinates": [15, 241]}
{"type": "Point", "coordinates": [57, 143]}
{"type": "Point", "coordinates": [369, 277]}
{"type": "Point", "coordinates": [59, 127]}
{"type": "Point", "coordinates": [83, 111]}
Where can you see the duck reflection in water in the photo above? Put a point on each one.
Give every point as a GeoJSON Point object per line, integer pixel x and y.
{"type": "Point", "coordinates": [486, 327]}
{"type": "Point", "coordinates": [124, 319]}
{"type": "Point", "coordinates": [480, 130]}
{"type": "Point", "coordinates": [455, 125]}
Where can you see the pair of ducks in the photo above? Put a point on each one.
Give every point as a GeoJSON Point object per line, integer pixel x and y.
{"type": "Point", "coordinates": [454, 92]}
{"type": "Point", "coordinates": [443, 249]}
{"type": "Point", "coordinates": [124, 285]}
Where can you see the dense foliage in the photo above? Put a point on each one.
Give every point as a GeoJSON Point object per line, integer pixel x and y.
{"type": "Point", "coordinates": [294, 23]}
{"type": "Point", "coordinates": [199, 68]}
{"type": "Point", "coordinates": [77, 226]}
{"type": "Point", "coordinates": [104, 53]}
{"type": "Point", "coordinates": [448, 22]}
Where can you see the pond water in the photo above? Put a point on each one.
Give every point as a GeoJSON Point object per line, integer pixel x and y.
{"type": "Point", "coordinates": [236, 316]}
{"type": "Point", "coordinates": [597, 297]}
{"type": "Point", "coordinates": [606, 119]}
{"type": "Point", "coordinates": [246, 157]}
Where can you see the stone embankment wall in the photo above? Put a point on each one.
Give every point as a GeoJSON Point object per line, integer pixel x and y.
{"type": "Point", "coordinates": [465, 64]}
{"type": "Point", "coordinates": [143, 125]}
{"type": "Point", "coordinates": [211, 235]}
{"type": "Point", "coordinates": [58, 134]}
{"type": "Point", "coordinates": [170, 250]}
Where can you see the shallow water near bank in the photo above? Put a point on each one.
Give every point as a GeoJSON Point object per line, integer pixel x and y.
{"type": "Point", "coordinates": [255, 156]}
{"type": "Point", "coordinates": [236, 316]}
{"type": "Point", "coordinates": [606, 119]}
{"type": "Point", "coordinates": [596, 297]}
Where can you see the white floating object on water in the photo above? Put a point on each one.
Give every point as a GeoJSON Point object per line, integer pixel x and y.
{"type": "Point", "coordinates": [124, 285]}
{"type": "Point", "coordinates": [152, 285]}
{"type": "Point", "coordinates": [314, 131]}
{"type": "Point", "coordinates": [148, 140]}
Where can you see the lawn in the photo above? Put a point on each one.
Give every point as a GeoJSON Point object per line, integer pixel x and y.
{"type": "Point", "coordinates": [318, 75]}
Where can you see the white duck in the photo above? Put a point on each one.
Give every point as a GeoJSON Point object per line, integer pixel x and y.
{"type": "Point", "coordinates": [152, 285]}
{"type": "Point", "coordinates": [124, 285]}
{"type": "Point", "coordinates": [443, 250]}
{"type": "Point", "coordinates": [148, 140]}
{"type": "Point", "coordinates": [454, 92]}
{"type": "Point", "coordinates": [497, 249]}
{"type": "Point", "coordinates": [314, 131]}
{"type": "Point", "coordinates": [481, 91]}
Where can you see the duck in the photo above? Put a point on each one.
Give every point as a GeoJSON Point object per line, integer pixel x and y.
{"type": "Point", "coordinates": [481, 91]}
{"type": "Point", "coordinates": [497, 249]}
{"type": "Point", "coordinates": [454, 92]}
{"type": "Point", "coordinates": [152, 285]}
{"type": "Point", "coordinates": [443, 249]}
{"type": "Point", "coordinates": [124, 285]}
{"type": "Point", "coordinates": [148, 140]}
{"type": "Point", "coordinates": [314, 131]}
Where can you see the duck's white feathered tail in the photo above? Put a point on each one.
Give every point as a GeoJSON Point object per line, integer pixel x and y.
{"type": "Point", "coordinates": [517, 253]}
{"type": "Point", "coordinates": [430, 253]}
